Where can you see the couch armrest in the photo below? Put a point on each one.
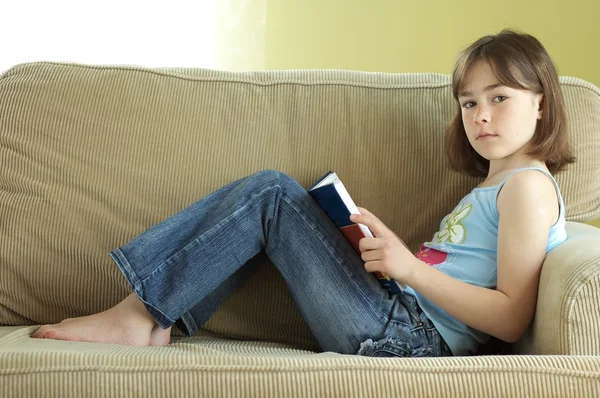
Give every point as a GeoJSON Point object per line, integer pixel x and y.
{"type": "Point", "coordinates": [567, 318]}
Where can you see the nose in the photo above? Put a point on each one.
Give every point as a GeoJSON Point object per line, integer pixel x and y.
{"type": "Point", "coordinates": [481, 115]}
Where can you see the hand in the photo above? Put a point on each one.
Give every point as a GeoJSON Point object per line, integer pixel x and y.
{"type": "Point", "coordinates": [385, 252]}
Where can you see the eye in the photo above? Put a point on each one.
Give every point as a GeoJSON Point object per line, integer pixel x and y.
{"type": "Point", "coordinates": [498, 98]}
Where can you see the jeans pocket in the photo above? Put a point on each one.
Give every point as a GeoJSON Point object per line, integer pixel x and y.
{"type": "Point", "coordinates": [410, 304]}
{"type": "Point", "coordinates": [385, 348]}
{"type": "Point", "coordinates": [422, 343]}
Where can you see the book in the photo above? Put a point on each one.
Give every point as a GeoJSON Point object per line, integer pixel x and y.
{"type": "Point", "coordinates": [329, 192]}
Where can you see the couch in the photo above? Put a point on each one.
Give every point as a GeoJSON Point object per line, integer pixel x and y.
{"type": "Point", "coordinates": [92, 155]}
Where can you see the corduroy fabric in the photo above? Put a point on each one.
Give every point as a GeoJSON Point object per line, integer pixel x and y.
{"type": "Point", "coordinates": [93, 155]}
{"type": "Point", "coordinates": [219, 368]}
{"type": "Point", "coordinates": [567, 318]}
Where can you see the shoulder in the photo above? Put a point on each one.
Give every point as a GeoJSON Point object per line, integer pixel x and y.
{"type": "Point", "coordinates": [529, 192]}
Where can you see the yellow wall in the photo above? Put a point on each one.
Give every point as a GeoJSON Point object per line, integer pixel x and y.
{"type": "Point", "coordinates": [424, 36]}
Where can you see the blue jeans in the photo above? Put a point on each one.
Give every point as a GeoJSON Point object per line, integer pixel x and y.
{"type": "Point", "coordinates": [183, 268]}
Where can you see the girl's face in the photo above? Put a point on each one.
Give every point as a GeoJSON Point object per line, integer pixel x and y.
{"type": "Point", "coordinates": [499, 120]}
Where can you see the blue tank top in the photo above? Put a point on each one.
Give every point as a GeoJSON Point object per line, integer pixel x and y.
{"type": "Point", "coordinates": [465, 248]}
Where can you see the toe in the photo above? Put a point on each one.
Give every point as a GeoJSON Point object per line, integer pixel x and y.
{"type": "Point", "coordinates": [52, 334]}
{"type": "Point", "coordinates": [39, 333]}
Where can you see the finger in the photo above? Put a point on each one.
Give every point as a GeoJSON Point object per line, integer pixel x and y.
{"type": "Point", "coordinates": [358, 218]}
{"type": "Point", "coordinates": [370, 220]}
{"type": "Point", "coordinates": [362, 220]}
{"type": "Point", "coordinates": [369, 244]}
{"type": "Point", "coordinates": [372, 266]}
{"type": "Point", "coordinates": [371, 255]}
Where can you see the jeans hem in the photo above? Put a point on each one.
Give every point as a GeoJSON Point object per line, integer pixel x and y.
{"type": "Point", "coordinates": [189, 323]}
{"type": "Point", "coordinates": [125, 267]}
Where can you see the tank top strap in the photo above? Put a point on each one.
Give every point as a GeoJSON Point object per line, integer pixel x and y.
{"type": "Point", "coordinates": [560, 201]}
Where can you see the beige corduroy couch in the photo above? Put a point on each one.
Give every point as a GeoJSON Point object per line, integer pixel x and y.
{"type": "Point", "coordinates": [92, 155]}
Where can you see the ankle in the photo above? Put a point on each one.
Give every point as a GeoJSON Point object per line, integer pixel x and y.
{"type": "Point", "coordinates": [132, 306]}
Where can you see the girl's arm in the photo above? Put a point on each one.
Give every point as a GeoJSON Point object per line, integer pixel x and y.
{"type": "Point", "coordinates": [528, 206]}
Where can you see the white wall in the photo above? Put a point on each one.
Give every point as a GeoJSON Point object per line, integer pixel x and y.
{"type": "Point", "coordinates": [141, 32]}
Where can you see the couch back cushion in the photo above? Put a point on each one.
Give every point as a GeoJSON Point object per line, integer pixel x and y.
{"type": "Point", "coordinates": [93, 155]}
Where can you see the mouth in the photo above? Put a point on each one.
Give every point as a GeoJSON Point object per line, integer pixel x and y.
{"type": "Point", "coordinates": [485, 136]}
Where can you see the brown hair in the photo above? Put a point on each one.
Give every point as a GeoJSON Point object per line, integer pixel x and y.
{"type": "Point", "coordinates": [519, 61]}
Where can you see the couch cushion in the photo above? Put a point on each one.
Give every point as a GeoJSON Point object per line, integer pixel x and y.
{"type": "Point", "coordinates": [93, 155]}
{"type": "Point", "coordinates": [212, 367]}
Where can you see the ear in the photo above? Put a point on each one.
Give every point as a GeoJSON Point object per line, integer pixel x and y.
{"type": "Point", "coordinates": [539, 100]}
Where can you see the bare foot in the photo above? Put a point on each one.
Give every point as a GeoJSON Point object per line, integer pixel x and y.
{"type": "Point", "coordinates": [160, 336]}
{"type": "Point", "coordinates": [127, 323]}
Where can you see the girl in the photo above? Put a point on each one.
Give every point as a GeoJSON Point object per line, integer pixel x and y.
{"type": "Point", "coordinates": [477, 277]}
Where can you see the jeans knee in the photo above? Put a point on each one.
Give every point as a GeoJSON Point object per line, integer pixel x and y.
{"type": "Point", "coordinates": [275, 177]}
{"type": "Point", "coordinates": [269, 175]}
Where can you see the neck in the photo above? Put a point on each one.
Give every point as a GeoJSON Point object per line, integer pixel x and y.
{"type": "Point", "coordinates": [502, 165]}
